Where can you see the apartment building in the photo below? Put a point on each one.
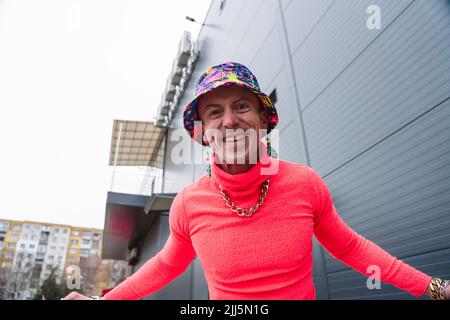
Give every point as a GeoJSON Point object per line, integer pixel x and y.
{"type": "Point", "coordinates": [30, 251]}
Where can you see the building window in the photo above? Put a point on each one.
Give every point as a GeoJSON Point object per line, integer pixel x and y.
{"type": "Point", "coordinates": [4, 226]}
{"type": "Point", "coordinates": [75, 233]}
{"type": "Point", "coordinates": [95, 244]}
{"type": "Point", "coordinates": [73, 241]}
{"type": "Point", "coordinates": [31, 246]}
{"type": "Point", "coordinates": [86, 241]}
{"type": "Point", "coordinates": [86, 234]}
{"type": "Point", "coordinates": [65, 231]}
{"type": "Point", "coordinates": [72, 260]}
{"type": "Point", "coordinates": [17, 227]}
{"type": "Point", "coordinates": [73, 251]}
{"type": "Point", "coordinates": [11, 245]}
{"type": "Point", "coordinates": [50, 257]}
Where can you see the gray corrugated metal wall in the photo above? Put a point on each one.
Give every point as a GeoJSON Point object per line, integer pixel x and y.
{"type": "Point", "coordinates": [368, 109]}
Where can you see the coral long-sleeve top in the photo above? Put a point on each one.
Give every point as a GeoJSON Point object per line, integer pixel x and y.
{"type": "Point", "coordinates": [268, 255]}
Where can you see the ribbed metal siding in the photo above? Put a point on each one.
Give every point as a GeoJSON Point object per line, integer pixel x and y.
{"type": "Point", "coordinates": [376, 114]}
{"type": "Point", "coordinates": [176, 175]}
{"type": "Point", "coordinates": [398, 77]}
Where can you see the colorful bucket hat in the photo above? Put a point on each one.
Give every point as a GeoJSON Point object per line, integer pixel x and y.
{"type": "Point", "coordinates": [223, 75]}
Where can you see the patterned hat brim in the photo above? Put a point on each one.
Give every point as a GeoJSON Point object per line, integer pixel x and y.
{"type": "Point", "coordinates": [190, 114]}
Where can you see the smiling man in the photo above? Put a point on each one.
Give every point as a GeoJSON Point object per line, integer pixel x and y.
{"type": "Point", "coordinates": [250, 227]}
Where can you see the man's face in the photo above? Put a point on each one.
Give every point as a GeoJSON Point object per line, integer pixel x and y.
{"type": "Point", "coordinates": [232, 118]}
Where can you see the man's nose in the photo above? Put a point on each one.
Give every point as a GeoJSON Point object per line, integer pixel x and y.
{"type": "Point", "coordinates": [229, 119]}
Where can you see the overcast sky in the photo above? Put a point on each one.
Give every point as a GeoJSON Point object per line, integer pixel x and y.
{"type": "Point", "coordinates": [67, 69]}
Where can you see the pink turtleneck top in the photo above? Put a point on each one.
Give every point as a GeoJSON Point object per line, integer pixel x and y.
{"type": "Point", "coordinates": [267, 255]}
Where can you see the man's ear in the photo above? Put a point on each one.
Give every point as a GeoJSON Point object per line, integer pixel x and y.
{"type": "Point", "coordinates": [264, 119]}
{"type": "Point", "coordinates": [204, 138]}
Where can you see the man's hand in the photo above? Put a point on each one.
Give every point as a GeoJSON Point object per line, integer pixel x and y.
{"type": "Point", "coordinates": [447, 293]}
{"type": "Point", "coordinates": [76, 296]}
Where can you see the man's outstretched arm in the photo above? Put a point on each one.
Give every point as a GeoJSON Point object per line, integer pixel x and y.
{"type": "Point", "coordinates": [166, 265]}
{"type": "Point", "coordinates": [354, 250]}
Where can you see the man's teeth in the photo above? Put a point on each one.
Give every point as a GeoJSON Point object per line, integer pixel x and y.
{"type": "Point", "coordinates": [233, 138]}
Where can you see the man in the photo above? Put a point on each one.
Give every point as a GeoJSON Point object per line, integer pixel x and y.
{"type": "Point", "coordinates": [251, 219]}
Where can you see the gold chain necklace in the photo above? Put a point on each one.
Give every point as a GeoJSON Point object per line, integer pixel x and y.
{"type": "Point", "coordinates": [246, 212]}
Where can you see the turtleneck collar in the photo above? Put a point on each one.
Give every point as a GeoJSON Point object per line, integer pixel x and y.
{"type": "Point", "coordinates": [243, 185]}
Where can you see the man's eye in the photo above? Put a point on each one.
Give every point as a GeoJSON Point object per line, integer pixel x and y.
{"type": "Point", "coordinates": [214, 113]}
{"type": "Point", "coordinates": [243, 106]}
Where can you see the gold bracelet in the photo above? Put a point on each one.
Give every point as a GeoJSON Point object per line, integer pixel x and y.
{"type": "Point", "coordinates": [436, 288]}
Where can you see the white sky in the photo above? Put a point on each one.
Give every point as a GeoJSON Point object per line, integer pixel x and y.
{"type": "Point", "coordinates": [67, 69]}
